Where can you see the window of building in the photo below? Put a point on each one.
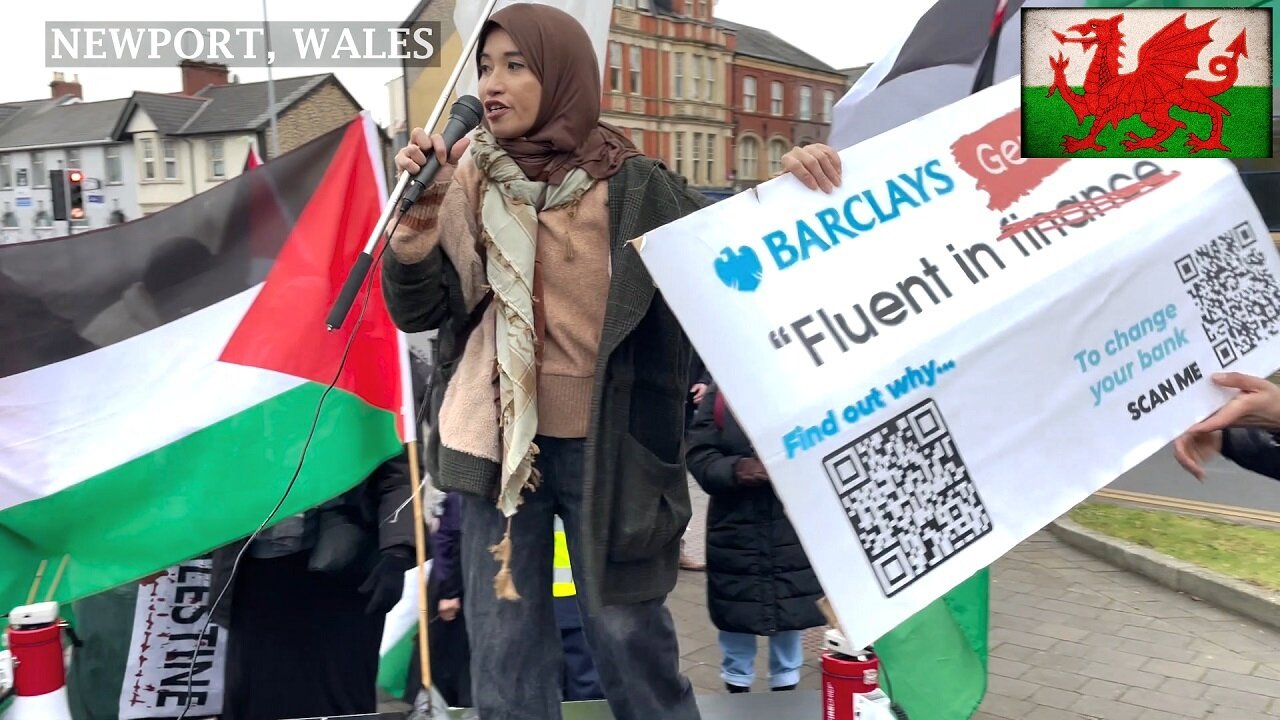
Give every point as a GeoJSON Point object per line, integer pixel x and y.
{"type": "Point", "coordinates": [39, 176]}
{"type": "Point", "coordinates": [711, 159]}
{"type": "Point", "coordinates": [679, 153]}
{"type": "Point", "coordinates": [615, 67]}
{"type": "Point", "coordinates": [170, 149]}
{"type": "Point", "coordinates": [170, 160]}
{"type": "Point", "coordinates": [697, 156]}
{"type": "Point", "coordinates": [10, 218]}
{"type": "Point", "coordinates": [6, 173]}
{"type": "Point", "coordinates": [748, 158]}
{"type": "Point", "coordinates": [828, 104]}
{"type": "Point", "coordinates": [112, 155]}
{"type": "Point", "coordinates": [711, 80]}
{"type": "Point", "coordinates": [777, 149]}
{"type": "Point", "coordinates": [73, 159]}
{"type": "Point", "coordinates": [148, 159]}
{"type": "Point", "coordinates": [217, 167]}
{"type": "Point", "coordinates": [642, 4]}
{"type": "Point", "coordinates": [678, 87]}
{"type": "Point", "coordinates": [776, 106]}
{"type": "Point", "coordinates": [806, 102]}
{"type": "Point", "coordinates": [749, 94]}
{"type": "Point", "coordinates": [22, 177]}
{"type": "Point", "coordinates": [635, 69]}
{"type": "Point", "coordinates": [43, 218]}
{"type": "Point", "coordinates": [696, 79]}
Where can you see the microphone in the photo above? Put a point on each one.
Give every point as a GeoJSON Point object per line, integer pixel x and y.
{"type": "Point", "coordinates": [464, 116]}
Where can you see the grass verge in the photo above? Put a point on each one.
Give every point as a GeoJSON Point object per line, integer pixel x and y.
{"type": "Point", "coordinates": [1243, 552]}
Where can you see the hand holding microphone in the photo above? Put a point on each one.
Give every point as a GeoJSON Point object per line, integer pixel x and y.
{"type": "Point", "coordinates": [413, 157]}
{"type": "Point", "coordinates": [445, 149]}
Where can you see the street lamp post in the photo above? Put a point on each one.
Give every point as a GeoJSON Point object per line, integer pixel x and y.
{"type": "Point", "coordinates": [271, 86]}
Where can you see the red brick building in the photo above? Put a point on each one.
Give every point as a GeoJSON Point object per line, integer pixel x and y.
{"type": "Point", "coordinates": [781, 97]}
{"type": "Point", "coordinates": [667, 86]}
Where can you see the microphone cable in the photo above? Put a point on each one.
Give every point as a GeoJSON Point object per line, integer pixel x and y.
{"type": "Point", "coordinates": [366, 291]}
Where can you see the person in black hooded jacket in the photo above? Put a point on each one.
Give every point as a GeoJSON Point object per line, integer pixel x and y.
{"type": "Point", "coordinates": [759, 581]}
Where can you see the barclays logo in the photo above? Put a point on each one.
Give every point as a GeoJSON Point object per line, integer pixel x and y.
{"type": "Point", "coordinates": [740, 269]}
{"type": "Point", "coordinates": [807, 238]}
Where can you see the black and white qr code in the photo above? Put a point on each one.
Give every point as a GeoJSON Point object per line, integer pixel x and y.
{"type": "Point", "coordinates": [1235, 291]}
{"type": "Point", "coordinates": [908, 496]}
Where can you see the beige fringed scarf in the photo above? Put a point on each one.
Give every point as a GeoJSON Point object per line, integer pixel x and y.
{"type": "Point", "coordinates": [509, 229]}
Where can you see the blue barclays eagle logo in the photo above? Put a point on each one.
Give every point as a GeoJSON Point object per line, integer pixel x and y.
{"type": "Point", "coordinates": [740, 269]}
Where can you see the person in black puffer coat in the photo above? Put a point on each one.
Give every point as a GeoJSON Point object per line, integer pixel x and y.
{"type": "Point", "coordinates": [759, 581]}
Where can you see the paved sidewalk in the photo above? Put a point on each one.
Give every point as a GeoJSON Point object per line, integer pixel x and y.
{"type": "Point", "coordinates": [1072, 638]}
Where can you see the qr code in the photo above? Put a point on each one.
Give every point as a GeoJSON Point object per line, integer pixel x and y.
{"type": "Point", "coordinates": [908, 495]}
{"type": "Point", "coordinates": [1235, 291]}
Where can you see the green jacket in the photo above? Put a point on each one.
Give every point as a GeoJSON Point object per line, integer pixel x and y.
{"type": "Point", "coordinates": [635, 494]}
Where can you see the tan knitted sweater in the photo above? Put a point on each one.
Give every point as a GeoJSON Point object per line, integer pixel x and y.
{"type": "Point", "coordinates": [573, 263]}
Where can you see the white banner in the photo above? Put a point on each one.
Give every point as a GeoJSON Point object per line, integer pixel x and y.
{"type": "Point", "coordinates": [170, 614]}
{"type": "Point", "coordinates": [925, 394]}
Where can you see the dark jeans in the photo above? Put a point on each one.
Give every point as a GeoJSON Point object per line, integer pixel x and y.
{"type": "Point", "coordinates": [516, 656]}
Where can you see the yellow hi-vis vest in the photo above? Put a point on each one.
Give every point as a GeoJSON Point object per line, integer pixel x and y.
{"type": "Point", "coordinates": [561, 571]}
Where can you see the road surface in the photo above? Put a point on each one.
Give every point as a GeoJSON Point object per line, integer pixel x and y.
{"type": "Point", "coordinates": [1225, 483]}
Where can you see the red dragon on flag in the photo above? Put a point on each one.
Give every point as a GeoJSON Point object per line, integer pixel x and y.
{"type": "Point", "coordinates": [1159, 83]}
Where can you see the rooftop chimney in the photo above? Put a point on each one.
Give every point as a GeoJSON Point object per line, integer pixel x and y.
{"type": "Point", "coordinates": [60, 87]}
{"type": "Point", "coordinates": [196, 75]}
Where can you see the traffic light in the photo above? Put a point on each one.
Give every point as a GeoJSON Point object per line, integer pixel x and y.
{"type": "Point", "coordinates": [75, 195]}
{"type": "Point", "coordinates": [58, 184]}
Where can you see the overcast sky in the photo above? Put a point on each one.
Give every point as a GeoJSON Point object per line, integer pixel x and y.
{"type": "Point", "coordinates": [858, 33]}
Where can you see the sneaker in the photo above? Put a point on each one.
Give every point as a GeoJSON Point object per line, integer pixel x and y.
{"type": "Point", "coordinates": [735, 689]}
{"type": "Point", "coordinates": [783, 688]}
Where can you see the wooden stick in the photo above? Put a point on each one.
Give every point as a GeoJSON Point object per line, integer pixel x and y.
{"type": "Point", "coordinates": [420, 547]}
{"type": "Point", "coordinates": [57, 578]}
{"type": "Point", "coordinates": [35, 584]}
{"type": "Point", "coordinates": [828, 612]}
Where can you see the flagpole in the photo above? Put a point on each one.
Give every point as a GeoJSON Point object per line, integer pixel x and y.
{"type": "Point", "coordinates": [409, 418]}
{"type": "Point", "coordinates": [271, 85]}
{"type": "Point", "coordinates": [342, 306]}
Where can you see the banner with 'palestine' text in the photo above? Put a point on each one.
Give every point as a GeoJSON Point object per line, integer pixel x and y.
{"type": "Point", "coordinates": [958, 344]}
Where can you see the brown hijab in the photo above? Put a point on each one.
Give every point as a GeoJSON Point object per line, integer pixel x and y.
{"type": "Point", "coordinates": [567, 133]}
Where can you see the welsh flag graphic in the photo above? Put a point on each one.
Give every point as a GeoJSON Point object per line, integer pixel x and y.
{"type": "Point", "coordinates": [158, 379]}
{"type": "Point", "coordinates": [1108, 81]}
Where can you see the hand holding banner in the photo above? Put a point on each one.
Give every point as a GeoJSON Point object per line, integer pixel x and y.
{"type": "Point", "coordinates": [958, 345]}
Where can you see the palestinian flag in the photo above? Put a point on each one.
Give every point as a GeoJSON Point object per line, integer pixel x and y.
{"type": "Point", "coordinates": [955, 47]}
{"type": "Point", "coordinates": [160, 378]}
{"type": "Point", "coordinates": [252, 160]}
{"type": "Point", "coordinates": [1191, 83]}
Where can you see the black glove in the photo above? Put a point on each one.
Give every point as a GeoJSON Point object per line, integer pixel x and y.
{"type": "Point", "coordinates": [385, 584]}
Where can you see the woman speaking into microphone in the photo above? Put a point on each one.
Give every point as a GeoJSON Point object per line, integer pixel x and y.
{"type": "Point", "coordinates": [563, 374]}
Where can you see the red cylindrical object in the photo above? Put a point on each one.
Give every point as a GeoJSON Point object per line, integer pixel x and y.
{"type": "Point", "coordinates": [37, 654]}
{"type": "Point", "coordinates": [842, 678]}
